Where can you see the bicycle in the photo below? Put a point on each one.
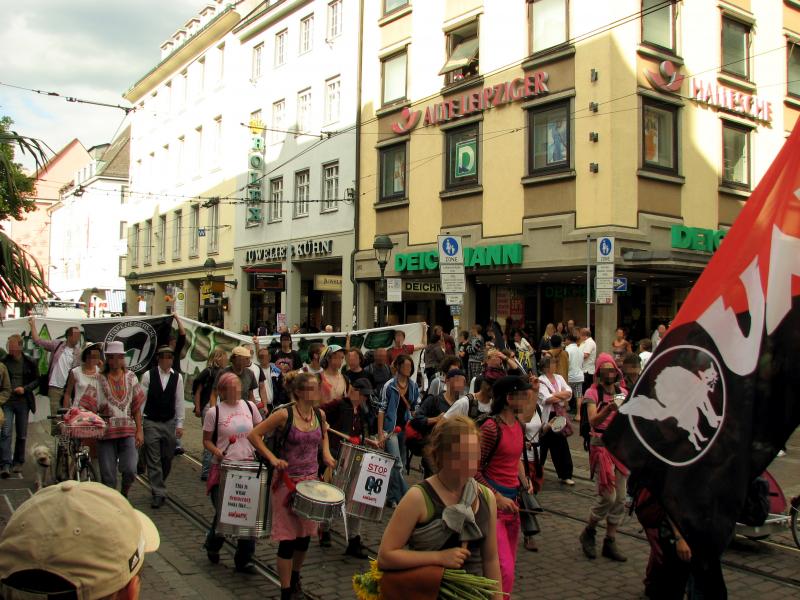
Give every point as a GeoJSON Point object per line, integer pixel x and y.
{"type": "Point", "coordinates": [73, 457]}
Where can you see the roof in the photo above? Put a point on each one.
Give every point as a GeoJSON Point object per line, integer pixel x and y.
{"type": "Point", "coordinates": [116, 160]}
{"type": "Point", "coordinates": [56, 157]}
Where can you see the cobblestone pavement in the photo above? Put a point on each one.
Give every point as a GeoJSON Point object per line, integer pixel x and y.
{"type": "Point", "coordinates": [559, 570]}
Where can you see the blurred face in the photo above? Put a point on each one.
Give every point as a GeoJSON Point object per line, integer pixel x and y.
{"type": "Point", "coordinates": [519, 402]}
{"type": "Point", "coordinates": [221, 360]}
{"type": "Point", "coordinates": [405, 368]}
{"type": "Point", "coordinates": [308, 391]}
{"type": "Point", "coordinates": [232, 392]}
{"type": "Point", "coordinates": [662, 329]}
{"type": "Point", "coordinates": [380, 356]}
{"type": "Point", "coordinates": [620, 334]}
{"type": "Point", "coordinates": [356, 397]}
{"type": "Point", "coordinates": [608, 373]}
{"type": "Point", "coordinates": [165, 361]}
{"type": "Point", "coordinates": [517, 337]}
{"type": "Point", "coordinates": [336, 360]}
{"type": "Point", "coordinates": [93, 358]}
{"type": "Point", "coordinates": [239, 362]}
{"type": "Point", "coordinates": [14, 347]}
{"type": "Point", "coordinates": [462, 457]}
{"type": "Point", "coordinates": [631, 373]}
{"type": "Point", "coordinates": [115, 361]}
{"type": "Point", "coordinates": [74, 336]}
{"type": "Point", "coordinates": [286, 344]}
{"type": "Point", "coordinates": [495, 360]}
{"type": "Point", "coordinates": [399, 338]}
{"type": "Point", "coordinates": [353, 361]}
{"type": "Point", "coordinates": [456, 385]}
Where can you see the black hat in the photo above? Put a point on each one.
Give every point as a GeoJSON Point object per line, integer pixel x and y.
{"type": "Point", "coordinates": [164, 350]}
{"type": "Point", "coordinates": [363, 385]}
{"type": "Point", "coordinates": [455, 373]}
{"type": "Point", "coordinates": [508, 385]}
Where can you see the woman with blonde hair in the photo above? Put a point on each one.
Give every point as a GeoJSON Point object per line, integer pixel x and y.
{"type": "Point", "coordinates": [201, 391]}
{"type": "Point", "coordinates": [421, 531]}
{"type": "Point", "coordinates": [302, 434]}
{"type": "Point", "coordinates": [544, 343]}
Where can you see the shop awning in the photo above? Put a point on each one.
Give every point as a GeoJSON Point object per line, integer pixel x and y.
{"type": "Point", "coordinates": [462, 56]}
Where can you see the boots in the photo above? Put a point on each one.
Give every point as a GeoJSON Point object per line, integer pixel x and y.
{"type": "Point", "coordinates": [611, 551]}
{"type": "Point", "coordinates": [588, 542]}
{"type": "Point", "coordinates": [356, 548]}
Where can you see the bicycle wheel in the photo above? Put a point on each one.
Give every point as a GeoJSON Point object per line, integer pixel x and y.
{"type": "Point", "coordinates": [61, 470]}
{"type": "Point", "coordinates": [87, 471]}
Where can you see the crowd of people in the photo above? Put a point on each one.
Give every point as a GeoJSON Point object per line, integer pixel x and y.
{"type": "Point", "coordinates": [483, 410]}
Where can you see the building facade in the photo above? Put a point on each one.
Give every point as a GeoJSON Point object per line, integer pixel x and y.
{"type": "Point", "coordinates": [294, 233]}
{"type": "Point", "coordinates": [531, 129]}
{"type": "Point", "coordinates": [88, 231]}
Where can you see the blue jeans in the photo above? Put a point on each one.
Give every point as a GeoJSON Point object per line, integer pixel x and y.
{"type": "Point", "coordinates": [119, 453]}
{"type": "Point", "coordinates": [16, 413]}
{"type": "Point", "coordinates": [396, 446]}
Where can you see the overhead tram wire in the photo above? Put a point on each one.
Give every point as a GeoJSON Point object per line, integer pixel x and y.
{"type": "Point", "coordinates": [126, 109]}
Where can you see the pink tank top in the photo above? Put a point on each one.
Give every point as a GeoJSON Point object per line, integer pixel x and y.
{"type": "Point", "coordinates": [504, 464]}
{"type": "Point", "coordinates": [301, 450]}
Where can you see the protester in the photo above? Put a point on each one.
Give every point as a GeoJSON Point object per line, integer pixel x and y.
{"type": "Point", "coordinates": [560, 358]}
{"type": "Point", "coordinates": [287, 359]}
{"type": "Point", "coordinates": [355, 367]}
{"type": "Point", "coordinates": [225, 430]}
{"type": "Point", "coordinates": [571, 328]}
{"type": "Point", "coordinates": [436, 386]}
{"type": "Point", "coordinates": [240, 357]}
{"type": "Point", "coordinates": [332, 384]}
{"type": "Point", "coordinates": [258, 374]}
{"type": "Point", "coordinates": [400, 347]}
{"type": "Point", "coordinates": [433, 356]}
{"type": "Point", "coordinates": [631, 369]}
{"type": "Point", "coordinates": [448, 343]}
{"type": "Point", "coordinates": [620, 343]}
{"type": "Point", "coordinates": [163, 421]}
{"type": "Point", "coordinates": [22, 381]}
{"type": "Point", "coordinates": [544, 343]}
{"type": "Point", "coordinates": [645, 351]}
{"type": "Point", "coordinates": [524, 350]}
{"type": "Point", "coordinates": [534, 430]}
{"type": "Point", "coordinates": [314, 356]}
{"type": "Point", "coordinates": [611, 474]}
{"type": "Point", "coordinates": [658, 335]}
{"type": "Point", "coordinates": [84, 379]}
{"type": "Point", "coordinates": [304, 438]}
{"type": "Point", "coordinates": [589, 349]}
{"type": "Point", "coordinates": [475, 352]}
{"type": "Point", "coordinates": [202, 387]}
{"type": "Point", "coordinates": [65, 355]}
{"type": "Point", "coordinates": [421, 523]}
{"type": "Point", "coordinates": [501, 468]}
{"type": "Point", "coordinates": [399, 398]}
{"type": "Point", "coordinates": [75, 540]}
{"type": "Point", "coordinates": [119, 401]}
{"type": "Point", "coordinates": [474, 404]}
{"type": "Point", "coordinates": [177, 342]}
{"type": "Point", "coordinates": [379, 370]}
{"type": "Point", "coordinates": [554, 396]}
{"type": "Point", "coordinates": [463, 344]}
{"type": "Point", "coordinates": [575, 373]}
{"type": "Point", "coordinates": [276, 392]}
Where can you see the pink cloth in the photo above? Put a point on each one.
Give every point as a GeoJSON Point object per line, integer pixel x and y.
{"type": "Point", "coordinates": [286, 525]}
{"type": "Point", "coordinates": [236, 421]}
{"type": "Point", "coordinates": [508, 530]}
{"type": "Point", "coordinates": [602, 464]}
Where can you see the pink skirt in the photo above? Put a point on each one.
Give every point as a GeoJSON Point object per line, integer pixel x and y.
{"type": "Point", "coordinates": [286, 525]}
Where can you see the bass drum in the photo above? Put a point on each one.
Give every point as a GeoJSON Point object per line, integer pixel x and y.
{"type": "Point", "coordinates": [243, 514]}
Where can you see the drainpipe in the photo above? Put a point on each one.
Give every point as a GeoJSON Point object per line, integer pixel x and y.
{"type": "Point", "coordinates": [357, 195]}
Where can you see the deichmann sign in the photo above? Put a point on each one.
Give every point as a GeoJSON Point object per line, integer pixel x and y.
{"type": "Point", "coordinates": [520, 88]}
{"type": "Point", "coordinates": [667, 79]}
{"type": "Point", "coordinates": [696, 238]}
{"type": "Point", "coordinates": [480, 256]}
{"type": "Point", "coordinates": [299, 250]}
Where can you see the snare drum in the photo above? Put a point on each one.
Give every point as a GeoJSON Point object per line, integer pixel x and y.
{"type": "Point", "coordinates": [243, 499]}
{"type": "Point", "coordinates": [558, 424]}
{"type": "Point", "coordinates": [346, 477]}
{"type": "Point", "coordinates": [317, 501]}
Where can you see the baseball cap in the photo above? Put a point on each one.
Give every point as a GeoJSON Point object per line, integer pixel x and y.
{"type": "Point", "coordinates": [363, 385]}
{"type": "Point", "coordinates": [508, 385]}
{"type": "Point", "coordinates": [241, 351]}
{"type": "Point", "coordinates": [85, 533]}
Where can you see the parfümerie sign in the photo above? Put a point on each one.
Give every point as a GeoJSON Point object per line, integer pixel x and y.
{"type": "Point", "coordinates": [302, 249]}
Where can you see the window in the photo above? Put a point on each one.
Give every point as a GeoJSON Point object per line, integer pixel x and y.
{"type": "Point", "coordinates": [217, 148]}
{"type": "Point", "coordinates": [393, 5]}
{"type": "Point", "coordinates": [256, 68]}
{"type": "Point", "coordinates": [549, 138]}
{"type": "Point", "coordinates": [194, 225]}
{"type": "Point", "coordinates": [278, 121]}
{"type": "Point", "coordinates": [332, 97]}
{"type": "Point", "coordinates": [463, 159]}
{"type": "Point", "coordinates": [394, 78]}
{"type": "Point", "coordinates": [123, 194]}
{"type": "Point", "coordinates": [198, 138]}
{"type": "Point", "coordinates": [462, 54]}
{"type": "Point", "coordinates": [330, 186]}
{"type": "Point", "coordinates": [280, 47]}
{"type": "Point", "coordinates": [393, 172]}
{"type": "Point", "coordinates": [185, 82]}
{"type": "Point", "coordinates": [177, 227]}
{"type": "Point", "coordinates": [213, 226]}
{"type": "Point", "coordinates": [735, 48]}
{"type": "Point", "coordinates": [148, 241]}
{"type": "Point", "coordinates": [793, 70]}
{"type": "Point", "coordinates": [275, 199]}
{"type": "Point", "coordinates": [549, 27]}
{"type": "Point", "coordinates": [302, 186]}
{"type": "Point", "coordinates": [735, 155]}
{"type": "Point", "coordinates": [659, 136]}
{"type": "Point", "coordinates": [334, 19]}
{"type": "Point", "coordinates": [658, 24]}
{"type": "Point", "coordinates": [123, 230]}
{"type": "Point", "coordinates": [162, 237]}
{"type": "Point", "coordinates": [179, 166]}
{"type": "Point", "coordinates": [303, 110]}
{"type": "Point", "coordinates": [220, 62]}
{"type": "Point", "coordinates": [201, 74]}
{"type": "Point", "coordinates": [134, 246]}
{"type": "Point", "coordinates": [306, 34]}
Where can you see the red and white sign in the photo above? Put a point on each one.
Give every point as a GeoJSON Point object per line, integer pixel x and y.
{"type": "Point", "coordinates": [373, 480]}
{"type": "Point", "coordinates": [240, 500]}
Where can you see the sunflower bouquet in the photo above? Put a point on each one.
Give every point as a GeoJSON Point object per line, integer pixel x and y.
{"type": "Point", "coordinates": [430, 582]}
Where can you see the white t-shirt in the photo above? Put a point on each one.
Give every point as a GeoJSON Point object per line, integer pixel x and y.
{"type": "Point", "coordinates": [532, 430]}
{"type": "Point", "coordinates": [58, 378]}
{"type": "Point", "coordinates": [644, 357]}
{"type": "Point", "coordinates": [83, 383]}
{"type": "Point", "coordinates": [575, 363]}
{"type": "Point", "coordinates": [589, 347]}
{"type": "Point", "coordinates": [461, 407]}
{"type": "Point", "coordinates": [234, 422]}
{"type": "Point", "coordinates": [547, 389]}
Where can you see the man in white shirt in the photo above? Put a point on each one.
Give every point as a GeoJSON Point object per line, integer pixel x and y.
{"type": "Point", "coordinates": [473, 405]}
{"type": "Point", "coordinates": [658, 335]}
{"type": "Point", "coordinates": [575, 375]}
{"type": "Point", "coordinates": [589, 349]}
{"type": "Point", "coordinates": [645, 351]}
{"type": "Point", "coordinates": [163, 421]}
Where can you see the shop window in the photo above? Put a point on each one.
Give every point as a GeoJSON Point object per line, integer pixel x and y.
{"type": "Point", "coordinates": [463, 159]}
{"type": "Point", "coordinates": [735, 155]}
{"type": "Point", "coordinates": [550, 146]}
{"type": "Point", "coordinates": [658, 24]}
{"type": "Point", "coordinates": [393, 162]}
{"type": "Point", "coordinates": [793, 70]}
{"type": "Point", "coordinates": [275, 212]}
{"type": "Point", "coordinates": [735, 48]}
{"type": "Point", "coordinates": [302, 186]}
{"type": "Point", "coordinates": [462, 54]}
{"type": "Point", "coordinates": [659, 136]}
{"type": "Point", "coordinates": [389, 6]}
{"type": "Point", "coordinates": [394, 77]}
{"type": "Point", "coordinates": [548, 23]}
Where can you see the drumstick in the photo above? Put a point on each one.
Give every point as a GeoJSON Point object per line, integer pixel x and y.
{"type": "Point", "coordinates": [339, 433]}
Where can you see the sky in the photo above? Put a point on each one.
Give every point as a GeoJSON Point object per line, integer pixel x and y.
{"type": "Point", "coordinates": [89, 49]}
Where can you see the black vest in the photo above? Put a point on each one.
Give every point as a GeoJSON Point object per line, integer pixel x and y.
{"type": "Point", "coordinates": [160, 404]}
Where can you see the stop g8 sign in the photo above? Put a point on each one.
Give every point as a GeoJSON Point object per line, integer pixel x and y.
{"type": "Point", "coordinates": [373, 480]}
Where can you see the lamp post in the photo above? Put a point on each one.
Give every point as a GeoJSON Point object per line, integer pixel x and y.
{"type": "Point", "coordinates": [383, 248]}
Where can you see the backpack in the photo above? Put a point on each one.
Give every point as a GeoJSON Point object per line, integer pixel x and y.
{"type": "Point", "coordinates": [277, 439]}
{"type": "Point", "coordinates": [215, 433]}
{"type": "Point", "coordinates": [473, 413]}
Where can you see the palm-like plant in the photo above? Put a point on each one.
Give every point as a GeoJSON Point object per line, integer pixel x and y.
{"type": "Point", "coordinates": [21, 276]}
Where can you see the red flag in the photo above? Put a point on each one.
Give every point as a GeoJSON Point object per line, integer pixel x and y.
{"type": "Point", "coordinates": [721, 394]}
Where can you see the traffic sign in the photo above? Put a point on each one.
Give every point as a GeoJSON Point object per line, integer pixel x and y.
{"type": "Point", "coordinates": [604, 283]}
{"type": "Point", "coordinates": [454, 299]}
{"type": "Point", "coordinates": [604, 296]}
{"type": "Point", "coordinates": [394, 289]}
{"type": "Point", "coordinates": [453, 283]}
{"type": "Point", "coordinates": [451, 268]}
{"type": "Point", "coordinates": [451, 252]}
{"type": "Point", "coordinates": [605, 271]}
{"type": "Point", "coordinates": [605, 250]}
{"type": "Point", "coordinates": [620, 284]}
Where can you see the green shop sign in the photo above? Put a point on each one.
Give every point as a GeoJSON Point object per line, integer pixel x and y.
{"type": "Point", "coordinates": [696, 238]}
{"type": "Point", "coordinates": [479, 256]}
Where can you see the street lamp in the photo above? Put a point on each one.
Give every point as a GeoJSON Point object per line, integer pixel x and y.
{"type": "Point", "coordinates": [383, 248]}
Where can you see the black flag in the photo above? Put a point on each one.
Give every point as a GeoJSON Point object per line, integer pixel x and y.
{"type": "Point", "coordinates": [141, 336]}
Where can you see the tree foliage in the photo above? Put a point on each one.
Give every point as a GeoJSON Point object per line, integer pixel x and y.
{"type": "Point", "coordinates": [16, 188]}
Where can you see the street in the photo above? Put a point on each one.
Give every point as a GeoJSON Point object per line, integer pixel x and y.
{"type": "Point", "coordinates": [180, 569]}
